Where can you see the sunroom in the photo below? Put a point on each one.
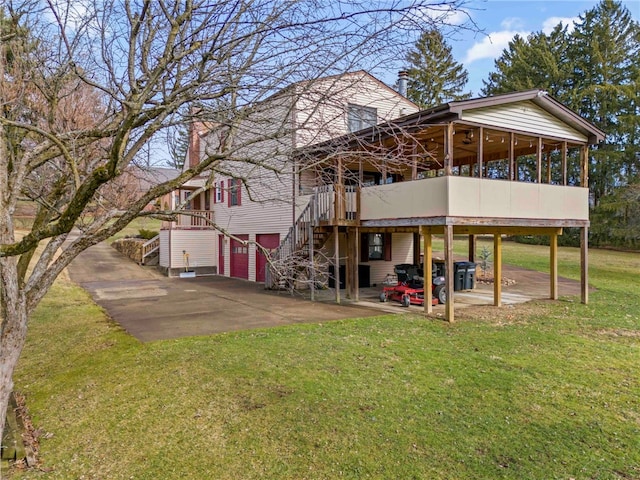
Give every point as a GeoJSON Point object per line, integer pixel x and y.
{"type": "Point", "coordinates": [513, 164]}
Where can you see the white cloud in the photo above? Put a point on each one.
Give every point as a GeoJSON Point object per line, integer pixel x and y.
{"type": "Point", "coordinates": [492, 45]}
{"type": "Point", "coordinates": [512, 23]}
{"type": "Point", "coordinates": [550, 23]}
{"type": "Point", "coordinates": [446, 15]}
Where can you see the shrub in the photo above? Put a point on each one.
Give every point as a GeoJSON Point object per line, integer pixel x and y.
{"type": "Point", "coordinates": [147, 234]}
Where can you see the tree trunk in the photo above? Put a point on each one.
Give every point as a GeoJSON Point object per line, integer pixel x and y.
{"type": "Point", "coordinates": [14, 330]}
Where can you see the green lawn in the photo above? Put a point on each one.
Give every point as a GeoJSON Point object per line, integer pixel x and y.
{"type": "Point", "coordinates": [134, 227]}
{"type": "Point", "coordinates": [548, 390]}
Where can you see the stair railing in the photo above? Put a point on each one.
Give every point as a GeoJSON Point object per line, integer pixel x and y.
{"type": "Point", "coordinates": [149, 247]}
{"type": "Point", "coordinates": [296, 242]}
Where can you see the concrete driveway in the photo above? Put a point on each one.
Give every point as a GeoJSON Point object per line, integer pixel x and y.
{"type": "Point", "coordinates": [151, 306]}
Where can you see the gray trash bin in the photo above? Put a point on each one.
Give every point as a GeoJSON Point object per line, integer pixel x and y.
{"type": "Point", "coordinates": [459, 272]}
{"type": "Point", "coordinates": [470, 276]}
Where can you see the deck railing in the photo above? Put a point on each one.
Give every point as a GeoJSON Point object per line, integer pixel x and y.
{"type": "Point", "coordinates": [191, 219]}
{"type": "Point", "coordinates": [150, 247]}
{"type": "Point", "coordinates": [329, 204]}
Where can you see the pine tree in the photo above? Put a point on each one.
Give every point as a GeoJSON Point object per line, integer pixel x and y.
{"type": "Point", "coordinates": [434, 76]}
{"type": "Point", "coordinates": [605, 47]}
{"type": "Point", "coordinates": [594, 71]}
{"type": "Point", "coordinates": [539, 61]}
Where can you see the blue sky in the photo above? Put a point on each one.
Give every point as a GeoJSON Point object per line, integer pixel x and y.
{"type": "Point", "coordinates": [501, 20]}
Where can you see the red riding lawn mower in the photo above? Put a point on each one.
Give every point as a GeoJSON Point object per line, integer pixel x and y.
{"type": "Point", "coordinates": [410, 287]}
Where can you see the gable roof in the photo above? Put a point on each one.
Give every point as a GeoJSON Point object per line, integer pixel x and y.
{"type": "Point", "coordinates": [454, 111]}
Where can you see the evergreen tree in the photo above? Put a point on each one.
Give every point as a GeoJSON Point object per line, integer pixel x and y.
{"type": "Point", "coordinates": [605, 48]}
{"type": "Point", "coordinates": [434, 76]}
{"type": "Point", "coordinates": [178, 144]}
{"type": "Point", "coordinates": [539, 61]}
{"type": "Point", "coordinates": [594, 71]}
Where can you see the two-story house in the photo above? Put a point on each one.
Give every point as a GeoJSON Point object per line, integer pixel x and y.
{"type": "Point", "coordinates": [259, 191]}
{"type": "Point", "coordinates": [348, 170]}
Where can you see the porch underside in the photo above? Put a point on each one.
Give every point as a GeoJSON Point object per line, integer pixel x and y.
{"type": "Point", "coordinates": [425, 227]}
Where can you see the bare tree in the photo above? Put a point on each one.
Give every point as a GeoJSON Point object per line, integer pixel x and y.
{"type": "Point", "coordinates": [86, 87]}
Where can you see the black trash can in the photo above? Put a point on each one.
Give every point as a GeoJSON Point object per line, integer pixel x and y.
{"type": "Point", "coordinates": [470, 276]}
{"type": "Point", "coordinates": [459, 272]}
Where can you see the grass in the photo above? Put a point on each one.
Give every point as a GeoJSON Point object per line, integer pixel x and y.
{"type": "Point", "coordinates": [134, 227]}
{"type": "Point", "coordinates": [538, 391]}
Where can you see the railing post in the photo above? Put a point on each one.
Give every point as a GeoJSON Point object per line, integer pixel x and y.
{"type": "Point", "coordinates": [312, 269]}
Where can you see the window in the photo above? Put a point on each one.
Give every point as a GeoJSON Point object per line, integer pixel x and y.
{"type": "Point", "coordinates": [219, 192]}
{"type": "Point", "coordinates": [234, 192]}
{"type": "Point", "coordinates": [207, 200]}
{"type": "Point", "coordinates": [360, 117]}
{"type": "Point", "coordinates": [375, 246]}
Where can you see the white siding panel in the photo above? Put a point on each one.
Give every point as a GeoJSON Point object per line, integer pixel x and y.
{"type": "Point", "coordinates": [335, 94]}
{"type": "Point", "coordinates": [401, 252]}
{"type": "Point", "coordinates": [164, 248]}
{"type": "Point", "coordinates": [525, 117]}
{"type": "Point", "coordinates": [262, 144]}
{"type": "Point", "coordinates": [199, 244]}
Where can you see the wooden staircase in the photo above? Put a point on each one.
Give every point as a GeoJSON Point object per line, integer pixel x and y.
{"type": "Point", "coordinates": [149, 248]}
{"type": "Point", "coordinates": [293, 256]}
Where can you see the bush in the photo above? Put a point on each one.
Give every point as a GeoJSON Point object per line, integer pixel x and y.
{"type": "Point", "coordinates": [570, 238]}
{"type": "Point", "coordinates": [147, 234]}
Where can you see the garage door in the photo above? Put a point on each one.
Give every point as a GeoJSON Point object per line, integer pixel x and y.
{"type": "Point", "coordinates": [269, 241]}
{"type": "Point", "coordinates": [239, 257]}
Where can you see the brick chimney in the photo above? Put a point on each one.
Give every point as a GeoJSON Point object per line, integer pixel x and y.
{"type": "Point", "coordinates": [194, 146]}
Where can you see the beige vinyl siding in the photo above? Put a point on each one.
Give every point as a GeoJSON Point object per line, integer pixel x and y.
{"type": "Point", "coordinates": [319, 124]}
{"type": "Point", "coordinates": [164, 248]}
{"type": "Point", "coordinates": [263, 141]}
{"type": "Point", "coordinates": [474, 197]}
{"type": "Point", "coordinates": [199, 244]}
{"type": "Point", "coordinates": [401, 252]}
{"type": "Point", "coordinates": [524, 117]}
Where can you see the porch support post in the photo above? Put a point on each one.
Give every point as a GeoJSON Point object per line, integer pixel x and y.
{"type": "Point", "coordinates": [428, 273]}
{"type": "Point", "coordinates": [584, 265]}
{"type": "Point", "coordinates": [339, 201]}
{"type": "Point", "coordinates": [480, 151]}
{"type": "Point", "coordinates": [553, 265]}
{"type": "Point", "coordinates": [564, 163]}
{"type": "Point", "coordinates": [548, 168]}
{"type": "Point", "coordinates": [356, 260]}
{"type": "Point", "coordinates": [336, 261]}
{"type": "Point", "coordinates": [448, 260]}
{"type": "Point", "coordinates": [512, 159]}
{"type": "Point", "coordinates": [448, 150]}
{"type": "Point", "coordinates": [584, 166]}
{"type": "Point", "coordinates": [351, 269]}
{"type": "Point", "coordinates": [472, 248]}
{"type": "Point", "coordinates": [348, 268]}
{"type": "Point", "coordinates": [539, 161]}
{"type": "Point", "coordinates": [416, 248]}
{"type": "Point", "coordinates": [497, 269]}
{"type": "Point", "coordinates": [312, 267]}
